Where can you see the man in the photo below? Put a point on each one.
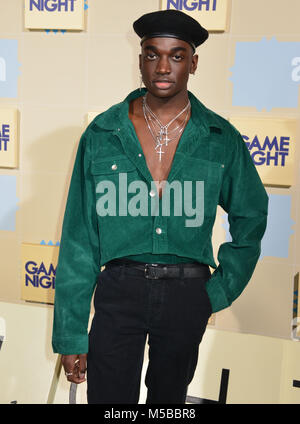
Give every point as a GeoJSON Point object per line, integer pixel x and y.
{"type": "Point", "coordinates": [156, 280]}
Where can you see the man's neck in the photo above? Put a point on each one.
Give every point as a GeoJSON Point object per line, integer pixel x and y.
{"type": "Point", "coordinates": [165, 108]}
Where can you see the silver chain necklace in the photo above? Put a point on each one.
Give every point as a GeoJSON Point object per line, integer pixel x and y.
{"type": "Point", "coordinates": [160, 133]}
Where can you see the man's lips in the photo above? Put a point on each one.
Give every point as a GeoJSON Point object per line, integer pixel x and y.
{"type": "Point", "coordinates": [163, 85]}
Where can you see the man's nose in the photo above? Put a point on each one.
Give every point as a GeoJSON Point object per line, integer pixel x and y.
{"type": "Point", "coordinates": [163, 66]}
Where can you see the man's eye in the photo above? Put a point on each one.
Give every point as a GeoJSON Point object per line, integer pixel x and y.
{"type": "Point", "coordinates": [177, 57]}
{"type": "Point", "coordinates": [151, 56]}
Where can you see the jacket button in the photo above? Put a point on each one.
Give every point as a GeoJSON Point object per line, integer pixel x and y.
{"type": "Point", "coordinates": [152, 193]}
{"type": "Point", "coordinates": [114, 167]}
{"type": "Point", "coordinates": [158, 230]}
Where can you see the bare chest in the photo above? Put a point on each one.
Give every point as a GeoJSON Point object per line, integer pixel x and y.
{"type": "Point", "coordinates": [159, 160]}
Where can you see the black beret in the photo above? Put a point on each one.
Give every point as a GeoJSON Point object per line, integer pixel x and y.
{"type": "Point", "coordinates": [170, 23]}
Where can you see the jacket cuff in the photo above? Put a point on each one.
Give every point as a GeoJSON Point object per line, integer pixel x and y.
{"type": "Point", "coordinates": [71, 345]}
{"type": "Point", "coordinates": [216, 294]}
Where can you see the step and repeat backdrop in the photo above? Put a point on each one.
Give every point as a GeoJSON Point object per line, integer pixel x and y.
{"type": "Point", "coordinates": [62, 62]}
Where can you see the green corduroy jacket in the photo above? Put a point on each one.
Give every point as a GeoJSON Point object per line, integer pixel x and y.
{"type": "Point", "coordinates": [210, 150]}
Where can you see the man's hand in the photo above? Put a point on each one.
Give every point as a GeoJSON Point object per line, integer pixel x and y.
{"type": "Point", "coordinates": [75, 367]}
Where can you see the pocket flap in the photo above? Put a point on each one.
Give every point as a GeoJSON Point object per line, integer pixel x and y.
{"type": "Point", "coordinates": [112, 165]}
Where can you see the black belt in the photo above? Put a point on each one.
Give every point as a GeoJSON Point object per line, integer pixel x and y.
{"type": "Point", "coordinates": [157, 271]}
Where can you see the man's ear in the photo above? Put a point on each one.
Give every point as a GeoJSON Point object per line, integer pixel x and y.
{"type": "Point", "coordinates": [194, 63]}
{"type": "Point", "coordinates": [140, 61]}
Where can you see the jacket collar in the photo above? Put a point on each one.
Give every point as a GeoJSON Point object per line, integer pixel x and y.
{"type": "Point", "coordinates": [200, 125]}
{"type": "Point", "coordinates": [117, 116]}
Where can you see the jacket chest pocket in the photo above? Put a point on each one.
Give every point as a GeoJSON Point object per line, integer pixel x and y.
{"type": "Point", "coordinates": [203, 170]}
{"type": "Point", "coordinates": [113, 175]}
{"type": "Point", "coordinates": [210, 173]}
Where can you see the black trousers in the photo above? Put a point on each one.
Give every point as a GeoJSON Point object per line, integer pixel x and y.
{"type": "Point", "coordinates": [128, 307]}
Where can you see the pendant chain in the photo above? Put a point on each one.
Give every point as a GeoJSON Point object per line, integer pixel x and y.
{"type": "Point", "coordinates": [160, 133]}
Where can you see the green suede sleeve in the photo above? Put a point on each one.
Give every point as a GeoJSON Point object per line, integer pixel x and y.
{"type": "Point", "coordinates": [244, 198]}
{"type": "Point", "coordinates": [79, 258]}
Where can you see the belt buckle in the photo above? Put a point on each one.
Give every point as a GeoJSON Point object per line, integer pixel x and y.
{"type": "Point", "coordinates": [150, 271]}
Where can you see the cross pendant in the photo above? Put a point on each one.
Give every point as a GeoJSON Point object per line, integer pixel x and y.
{"type": "Point", "coordinates": [160, 152]}
{"type": "Point", "coordinates": [163, 136]}
{"type": "Point", "coordinates": [167, 139]}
